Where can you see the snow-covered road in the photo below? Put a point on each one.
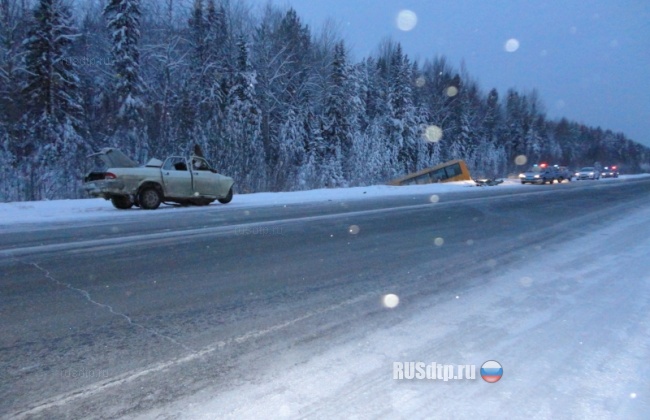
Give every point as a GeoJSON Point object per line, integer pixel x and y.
{"type": "Point", "coordinates": [298, 322]}
{"type": "Point", "coordinates": [571, 330]}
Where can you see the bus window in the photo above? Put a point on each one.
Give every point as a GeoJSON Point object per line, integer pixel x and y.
{"type": "Point", "coordinates": [453, 170]}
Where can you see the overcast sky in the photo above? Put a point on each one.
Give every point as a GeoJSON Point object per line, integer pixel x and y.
{"type": "Point", "coordinates": [588, 59]}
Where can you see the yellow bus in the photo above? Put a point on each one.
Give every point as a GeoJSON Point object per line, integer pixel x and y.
{"type": "Point", "coordinates": [454, 170]}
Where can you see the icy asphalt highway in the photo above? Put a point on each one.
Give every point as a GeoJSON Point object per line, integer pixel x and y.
{"type": "Point", "coordinates": [128, 316]}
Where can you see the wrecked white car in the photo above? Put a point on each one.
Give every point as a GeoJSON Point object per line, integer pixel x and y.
{"type": "Point", "coordinates": [177, 180]}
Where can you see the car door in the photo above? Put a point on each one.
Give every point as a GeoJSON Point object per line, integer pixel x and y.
{"type": "Point", "coordinates": [206, 181]}
{"type": "Point", "coordinates": [177, 179]}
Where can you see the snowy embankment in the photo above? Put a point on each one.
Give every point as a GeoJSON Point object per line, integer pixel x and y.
{"type": "Point", "coordinates": [97, 208]}
{"type": "Point", "coordinates": [85, 209]}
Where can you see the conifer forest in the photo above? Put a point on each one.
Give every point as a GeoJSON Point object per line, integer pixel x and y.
{"type": "Point", "coordinates": [271, 102]}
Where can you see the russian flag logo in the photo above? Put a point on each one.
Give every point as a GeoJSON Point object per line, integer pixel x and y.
{"type": "Point", "coordinates": [491, 371]}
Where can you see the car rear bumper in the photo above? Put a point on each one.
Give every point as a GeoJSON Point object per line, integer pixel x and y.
{"type": "Point", "coordinates": [532, 180]}
{"type": "Point", "coordinates": [105, 188]}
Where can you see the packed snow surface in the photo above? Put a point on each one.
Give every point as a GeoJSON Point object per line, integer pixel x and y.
{"type": "Point", "coordinates": [570, 328]}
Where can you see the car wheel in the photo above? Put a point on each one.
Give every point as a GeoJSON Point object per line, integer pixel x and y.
{"type": "Point", "coordinates": [121, 202]}
{"type": "Point", "coordinates": [149, 198]}
{"type": "Point", "coordinates": [559, 180]}
{"type": "Point", "coordinates": [227, 199]}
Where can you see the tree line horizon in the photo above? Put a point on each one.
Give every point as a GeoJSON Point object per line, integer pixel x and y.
{"type": "Point", "coordinates": [271, 103]}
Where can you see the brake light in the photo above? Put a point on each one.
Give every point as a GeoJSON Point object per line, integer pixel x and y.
{"type": "Point", "coordinates": [109, 175]}
{"type": "Point", "coordinates": [542, 165]}
{"type": "Point", "coordinates": [614, 168]}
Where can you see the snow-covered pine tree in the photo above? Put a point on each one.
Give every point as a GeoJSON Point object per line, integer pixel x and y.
{"type": "Point", "coordinates": [337, 132]}
{"type": "Point", "coordinates": [514, 125]}
{"type": "Point", "coordinates": [535, 138]}
{"type": "Point", "coordinates": [283, 57]}
{"type": "Point", "coordinates": [493, 116]}
{"type": "Point", "coordinates": [9, 106]}
{"type": "Point", "coordinates": [493, 154]}
{"type": "Point", "coordinates": [6, 24]}
{"type": "Point", "coordinates": [53, 120]}
{"type": "Point", "coordinates": [242, 150]}
{"type": "Point", "coordinates": [291, 152]}
{"type": "Point", "coordinates": [164, 73]}
{"type": "Point", "coordinates": [218, 77]}
{"type": "Point", "coordinates": [469, 112]}
{"type": "Point", "coordinates": [91, 54]}
{"type": "Point", "coordinates": [406, 134]}
{"type": "Point", "coordinates": [295, 38]}
{"type": "Point", "coordinates": [195, 108]}
{"type": "Point", "coordinates": [123, 21]}
{"type": "Point", "coordinates": [309, 171]}
{"type": "Point", "coordinates": [378, 114]}
{"type": "Point", "coordinates": [432, 97]}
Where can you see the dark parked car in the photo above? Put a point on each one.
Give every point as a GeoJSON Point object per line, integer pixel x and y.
{"type": "Point", "coordinates": [539, 174]}
{"type": "Point", "coordinates": [609, 172]}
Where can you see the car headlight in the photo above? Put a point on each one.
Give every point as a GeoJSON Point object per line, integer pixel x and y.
{"type": "Point", "coordinates": [522, 176]}
{"type": "Point", "coordinates": [591, 173]}
{"type": "Point", "coordinates": [536, 176]}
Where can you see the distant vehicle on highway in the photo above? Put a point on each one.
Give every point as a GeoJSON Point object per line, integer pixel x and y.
{"type": "Point", "coordinates": [609, 172]}
{"type": "Point", "coordinates": [588, 172]}
{"type": "Point", "coordinates": [564, 173]}
{"type": "Point", "coordinates": [539, 174]}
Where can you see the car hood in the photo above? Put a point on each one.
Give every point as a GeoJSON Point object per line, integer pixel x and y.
{"type": "Point", "coordinates": [114, 158]}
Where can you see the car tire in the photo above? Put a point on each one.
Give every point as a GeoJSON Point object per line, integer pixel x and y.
{"type": "Point", "coordinates": [122, 202]}
{"type": "Point", "coordinates": [228, 198]}
{"type": "Point", "coordinates": [149, 198]}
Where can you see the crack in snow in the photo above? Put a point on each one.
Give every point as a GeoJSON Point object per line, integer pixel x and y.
{"type": "Point", "coordinates": [194, 355]}
{"type": "Point", "coordinates": [128, 319]}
